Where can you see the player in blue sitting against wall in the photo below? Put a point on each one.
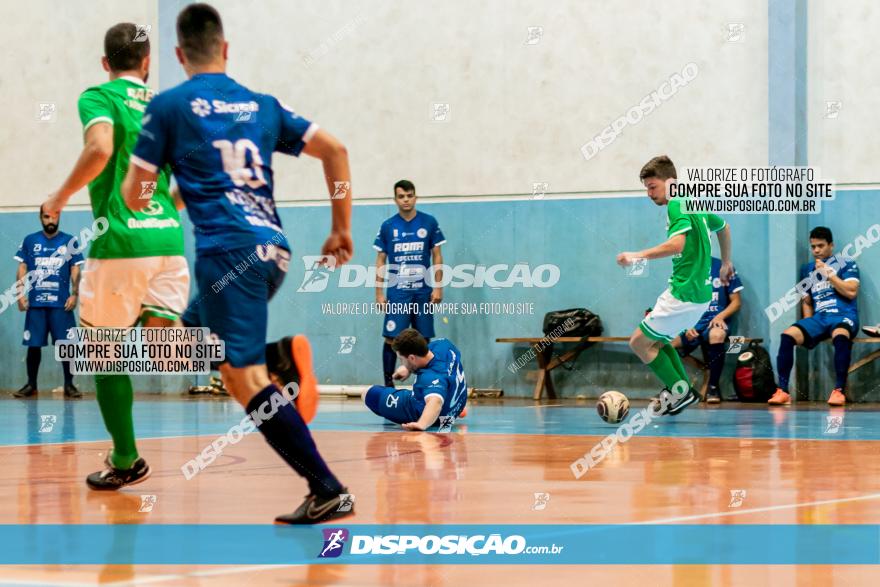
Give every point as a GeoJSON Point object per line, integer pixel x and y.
{"type": "Point", "coordinates": [830, 310]}
{"type": "Point", "coordinates": [50, 301]}
{"type": "Point", "coordinates": [712, 329]}
{"type": "Point", "coordinates": [408, 246]}
{"type": "Point", "coordinates": [440, 389]}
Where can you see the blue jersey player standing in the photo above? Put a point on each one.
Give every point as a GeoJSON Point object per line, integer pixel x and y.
{"type": "Point", "coordinates": [50, 302]}
{"type": "Point", "coordinates": [829, 310]}
{"type": "Point", "coordinates": [440, 389]}
{"type": "Point", "coordinates": [407, 263]}
{"type": "Point", "coordinates": [219, 137]}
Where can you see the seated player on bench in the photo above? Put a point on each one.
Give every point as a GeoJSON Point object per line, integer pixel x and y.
{"type": "Point", "coordinates": [712, 329]}
{"type": "Point", "coordinates": [830, 309]}
{"type": "Point", "coordinates": [439, 391]}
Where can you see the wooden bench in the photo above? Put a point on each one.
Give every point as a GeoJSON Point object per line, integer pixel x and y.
{"type": "Point", "coordinates": [543, 349]}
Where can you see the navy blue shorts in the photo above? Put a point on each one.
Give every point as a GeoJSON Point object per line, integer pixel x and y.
{"type": "Point", "coordinates": [818, 327]}
{"type": "Point", "coordinates": [397, 405]}
{"type": "Point", "coordinates": [234, 289]}
{"type": "Point", "coordinates": [411, 312]}
{"type": "Point", "coordinates": [39, 322]}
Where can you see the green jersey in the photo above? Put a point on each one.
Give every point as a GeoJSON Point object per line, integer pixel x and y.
{"type": "Point", "coordinates": [691, 279]}
{"type": "Point", "coordinates": [156, 230]}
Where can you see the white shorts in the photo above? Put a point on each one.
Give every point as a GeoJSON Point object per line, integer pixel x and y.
{"type": "Point", "coordinates": [670, 317]}
{"type": "Point", "coordinates": [115, 292]}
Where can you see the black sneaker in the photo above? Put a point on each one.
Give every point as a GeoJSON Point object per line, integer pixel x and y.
{"type": "Point", "coordinates": [71, 391]}
{"type": "Point", "coordinates": [665, 403]}
{"type": "Point", "coordinates": [872, 330]}
{"type": "Point", "coordinates": [317, 509]}
{"type": "Point", "coordinates": [713, 395]}
{"type": "Point", "coordinates": [279, 360]}
{"type": "Point", "coordinates": [112, 478]}
{"type": "Point", "coordinates": [27, 391]}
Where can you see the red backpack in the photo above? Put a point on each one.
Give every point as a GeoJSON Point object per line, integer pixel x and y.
{"type": "Point", "coordinates": [753, 378]}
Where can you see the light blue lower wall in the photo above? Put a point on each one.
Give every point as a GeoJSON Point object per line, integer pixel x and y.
{"type": "Point", "coordinates": [582, 237]}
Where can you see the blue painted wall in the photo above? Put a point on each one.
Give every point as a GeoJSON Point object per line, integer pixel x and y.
{"type": "Point", "coordinates": [582, 237]}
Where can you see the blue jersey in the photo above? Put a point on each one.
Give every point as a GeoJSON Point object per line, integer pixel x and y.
{"type": "Point", "coordinates": [48, 257]}
{"type": "Point", "coordinates": [408, 245]}
{"type": "Point", "coordinates": [825, 298]}
{"type": "Point", "coordinates": [444, 377]}
{"type": "Point", "coordinates": [720, 293]}
{"type": "Point", "coordinates": [219, 137]}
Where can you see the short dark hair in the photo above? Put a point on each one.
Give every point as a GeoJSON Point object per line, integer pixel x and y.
{"type": "Point", "coordinates": [406, 185]}
{"type": "Point", "coordinates": [410, 342]}
{"type": "Point", "coordinates": [199, 33]}
{"type": "Point", "coordinates": [823, 233]}
{"type": "Point", "coordinates": [660, 167]}
{"type": "Point", "coordinates": [122, 51]}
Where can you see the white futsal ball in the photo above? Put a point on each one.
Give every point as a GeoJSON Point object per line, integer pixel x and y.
{"type": "Point", "coordinates": [612, 407]}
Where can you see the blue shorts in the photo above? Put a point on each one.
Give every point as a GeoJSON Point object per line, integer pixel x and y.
{"type": "Point", "coordinates": [412, 312]}
{"type": "Point", "coordinates": [818, 327]}
{"type": "Point", "coordinates": [397, 405]}
{"type": "Point", "coordinates": [39, 322]}
{"type": "Point", "coordinates": [234, 289]}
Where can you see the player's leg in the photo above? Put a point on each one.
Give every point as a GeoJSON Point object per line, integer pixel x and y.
{"type": "Point", "coordinates": [111, 292]}
{"type": "Point", "coordinates": [795, 335]}
{"type": "Point", "coordinates": [61, 322]}
{"type": "Point", "coordinates": [841, 338]}
{"type": "Point", "coordinates": [397, 405]}
{"type": "Point", "coordinates": [238, 315]}
{"type": "Point", "coordinates": [715, 355]}
{"type": "Point", "coordinates": [35, 337]}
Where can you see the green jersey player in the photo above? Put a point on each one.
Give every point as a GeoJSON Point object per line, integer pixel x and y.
{"type": "Point", "coordinates": [135, 272]}
{"type": "Point", "coordinates": [690, 286]}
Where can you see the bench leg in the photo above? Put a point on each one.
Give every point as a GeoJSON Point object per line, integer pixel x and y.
{"type": "Point", "coordinates": [545, 380]}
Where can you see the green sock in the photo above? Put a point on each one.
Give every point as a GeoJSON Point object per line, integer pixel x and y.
{"type": "Point", "coordinates": [116, 398]}
{"type": "Point", "coordinates": [664, 368]}
{"type": "Point", "coordinates": [673, 355]}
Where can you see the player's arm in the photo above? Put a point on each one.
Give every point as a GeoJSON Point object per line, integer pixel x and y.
{"type": "Point", "coordinates": [19, 279]}
{"type": "Point", "coordinates": [381, 258]}
{"type": "Point", "coordinates": [725, 243]}
{"type": "Point", "coordinates": [75, 274]}
{"type": "Point", "coordinates": [92, 159]}
{"type": "Point", "coordinates": [433, 406]}
{"type": "Point", "coordinates": [334, 157]}
{"type": "Point", "coordinates": [673, 246]}
{"type": "Point", "coordinates": [732, 308]}
{"type": "Point", "coordinates": [848, 286]}
{"type": "Point", "coordinates": [437, 265]}
{"type": "Point", "coordinates": [807, 306]}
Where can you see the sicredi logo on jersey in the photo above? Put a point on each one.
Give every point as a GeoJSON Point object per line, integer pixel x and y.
{"type": "Point", "coordinates": [202, 107]}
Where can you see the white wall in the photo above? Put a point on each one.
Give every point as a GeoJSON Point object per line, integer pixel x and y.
{"type": "Point", "coordinates": [51, 53]}
{"type": "Point", "coordinates": [843, 49]}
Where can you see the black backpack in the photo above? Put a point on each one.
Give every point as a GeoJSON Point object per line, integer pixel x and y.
{"type": "Point", "coordinates": [753, 378]}
{"type": "Point", "coordinates": [578, 322]}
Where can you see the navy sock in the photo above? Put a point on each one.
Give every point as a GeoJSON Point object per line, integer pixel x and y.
{"type": "Point", "coordinates": [785, 361]}
{"type": "Point", "coordinates": [34, 354]}
{"type": "Point", "coordinates": [288, 434]}
{"type": "Point", "coordinates": [389, 363]}
{"type": "Point", "coordinates": [716, 362]}
{"type": "Point", "coordinates": [842, 357]}
{"type": "Point", "coordinates": [68, 376]}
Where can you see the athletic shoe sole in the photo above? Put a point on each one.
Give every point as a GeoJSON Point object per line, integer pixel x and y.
{"type": "Point", "coordinates": [307, 399]}
{"type": "Point", "coordinates": [117, 488]}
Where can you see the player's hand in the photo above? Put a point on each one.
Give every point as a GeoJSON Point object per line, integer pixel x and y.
{"type": "Point", "coordinates": [726, 273]}
{"type": "Point", "coordinates": [339, 246]}
{"type": "Point", "coordinates": [22, 304]}
{"type": "Point", "coordinates": [437, 295]}
{"type": "Point", "coordinates": [691, 334]}
{"type": "Point", "coordinates": [825, 269]}
{"type": "Point", "coordinates": [413, 426]}
{"type": "Point", "coordinates": [400, 373]}
{"type": "Point", "coordinates": [70, 304]}
{"type": "Point", "coordinates": [626, 259]}
{"type": "Point", "coordinates": [53, 205]}
{"type": "Point", "coordinates": [718, 322]}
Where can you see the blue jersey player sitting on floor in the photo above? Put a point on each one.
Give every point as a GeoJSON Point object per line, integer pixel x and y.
{"type": "Point", "coordinates": [440, 390]}
{"type": "Point", "coordinates": [830, 310]}
{"type": "Point", "coordinates": [219, 138]}
{"type": "Point", "coordinates": [408, 246]}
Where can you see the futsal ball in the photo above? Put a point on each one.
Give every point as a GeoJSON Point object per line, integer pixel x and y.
{"type": "Point", "coordinates": [612, 407]}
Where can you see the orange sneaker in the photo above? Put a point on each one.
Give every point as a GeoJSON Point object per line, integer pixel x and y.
{"type": "Point", "coordinates": [307, 399]}
{"type": "Point", "coordinates": [837, 398]}
{"type": "Point", "coordinates": [780, 398]}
